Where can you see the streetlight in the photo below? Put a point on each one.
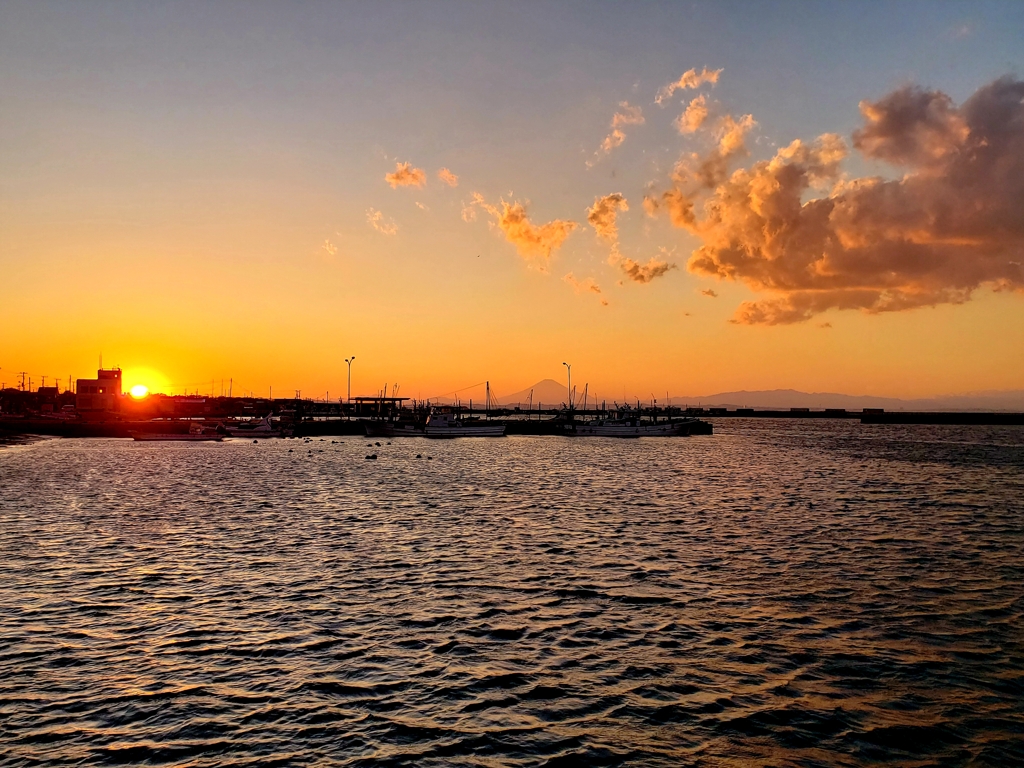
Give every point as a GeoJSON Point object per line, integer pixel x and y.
{"type": "Point", "coordinates": [569, 388]}
{"type": "Point", "coordinates": [349, 361]}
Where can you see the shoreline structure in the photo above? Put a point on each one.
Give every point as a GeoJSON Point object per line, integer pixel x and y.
{"type": "Point", "coordinates": [98, 408]}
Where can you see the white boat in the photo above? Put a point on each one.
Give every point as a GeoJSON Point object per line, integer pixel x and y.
{"type": "Point", "coordinates": [196, 434]}
{"type": "Point", "coordinates": [445, 423]}
{"type": "Point", "coordinates": [627, 423]}
{"type": "Point", "coordinates": [254, 428]}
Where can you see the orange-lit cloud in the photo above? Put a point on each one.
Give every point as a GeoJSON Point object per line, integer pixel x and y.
{"type": "Point", "coordinates": [644, 273]}
{"type": "Point", "coordinates": [709, 293]}
{"type": "Point", "coordinates": [694, 116]}
{"type": "Point", "coordinates": [376, 220]}
{"type": "Point", "coordinates": [690, 79]}
{"type": "Point", "coordinates": [406, 176]}
{"type": "Point", "coordinates": [626, 115]}
{"type": "Point", "coordinates": [702, 172]}
{"type": "Point", "coordinates": [585, 286]}
{"type": "Point", "coordinates": [949, 224]}
{"type": "Point", "coordinates": [601, 216]}
{"type": "Point", "coordinates": [421, 206]}
{"type": "Point", "coordinates": [448, 177]}
{"type": "Point", "coordinates": [535, 243]}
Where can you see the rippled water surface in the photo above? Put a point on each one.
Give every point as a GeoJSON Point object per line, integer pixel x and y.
{"type": "Point", "coordinates": [782, 593]}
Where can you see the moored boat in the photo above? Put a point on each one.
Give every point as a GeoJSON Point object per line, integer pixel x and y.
{"type": "Point", "coordinates": [442, 422]}
{"type": "Point", "coordinates": [196, 434]}
{"type": "Point", "coordinates": [627, 423]}
{"type": "Point", "coordinates": [254, 428]}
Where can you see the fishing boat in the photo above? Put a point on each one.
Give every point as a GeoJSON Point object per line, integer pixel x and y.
{"type": "Point", "coordinates": [197, 433]}
{"type": "Point", "coordinates": [443, 422]}
{"type": "Point", "coordinates": [627, 423]}
{"type": "Point", "coordinates": [254, 428]}
{"type": "Point", "coordinates": [400, 428]}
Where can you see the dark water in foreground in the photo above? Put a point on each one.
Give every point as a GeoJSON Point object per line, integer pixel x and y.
{"type": "Point", "coordinates": [783, 593]}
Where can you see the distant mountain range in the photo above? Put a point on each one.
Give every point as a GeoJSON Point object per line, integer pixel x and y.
{"type": "Point", "coordinates": [552, 393]}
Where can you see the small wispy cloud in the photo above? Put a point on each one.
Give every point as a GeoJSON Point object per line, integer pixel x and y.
{"type": "Point", "coordinates": [406, 176]}
{"type": "Point", "coordinates": [645, 273]}
{"type": "Point", "coordinates": [421, 206]}
{"type": "Point", "coordinates": [626, 115]}
{"type": "Point", "coordinates": [709, 293]}
{"type": "Point", "coordinates": [376, 220]}
{"type": "Point", "coordinates": [689, 79]}
{"type": "Point", "coordinates": [329, 248]}
{"type": "Point", "coordinates": [694, 116]}
{"type": "Point", "coordinates": [535, 242]}
{"type": "Point", "coordinates": [448, 177]}
{"type": "Point", "coordinates": [601, 216]}
{"type": "Point", "coordinates": [585, 286]}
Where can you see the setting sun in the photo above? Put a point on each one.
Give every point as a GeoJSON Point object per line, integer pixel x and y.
{"type": "Point", "coordinates": [139, 391]}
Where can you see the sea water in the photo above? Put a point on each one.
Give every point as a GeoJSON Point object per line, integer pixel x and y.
{"type": "Point", "coordinates": [789, 592]}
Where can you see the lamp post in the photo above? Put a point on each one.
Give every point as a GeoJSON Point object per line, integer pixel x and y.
{"type": "Point", "coordinates": [569, 388]}
{"type": "Point", "coordinates": [349, 361]}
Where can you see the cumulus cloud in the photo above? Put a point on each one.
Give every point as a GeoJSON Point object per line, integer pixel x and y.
{"type": "Point", "coordinates": [376, 220]}
{"type": "Point", "coordinates": [644, 273]}
{"type": "Point", "coordinates": [796, 228]}
{"type": "Point", "coordinates": [626, 115]}
{"type": "Point", "coordinates": [690, 79]}
{"type": "Point", "coordinates": [535, 242]}
{"type": "Point", "coordinates": [406, 176]}
{"type": "Point", "coordinates": [448, 177]}
{"type": "Point", "coordinates": [585, 286]}
{"type": "Point", "coordinates": [694, 116]}
{"type": "Point", "coordinates": [702, 172]}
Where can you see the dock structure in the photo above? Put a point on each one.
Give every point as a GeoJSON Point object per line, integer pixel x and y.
{"type": "Point", "coordinates": [49, 413]}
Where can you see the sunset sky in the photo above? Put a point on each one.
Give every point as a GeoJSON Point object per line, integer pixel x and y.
{"type": "Point", "coordinates": [673, 197]}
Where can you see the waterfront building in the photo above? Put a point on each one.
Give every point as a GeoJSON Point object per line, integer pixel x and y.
{"type": "Point", "coordinates": [100, 394]}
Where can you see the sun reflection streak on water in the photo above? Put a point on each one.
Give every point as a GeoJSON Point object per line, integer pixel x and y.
{"type": "Point", "coordinates": [780, 593]}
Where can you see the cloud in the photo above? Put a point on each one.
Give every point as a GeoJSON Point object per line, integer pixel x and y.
{"type": "Point", "coordinates": [406, 176]}
{"type": "Point", "coordinates": [329, 248]}
{"type": "Point", "coordinates": [376, 220]}
{"type": "Point", "coordinates": [585, 286]}
{"type": "Point", "coordinates": [644, 273]}
{"type": "Point", "coordinates": [535, 243]}
{"type": "Point", "coordinates": [601, 216]}
{"type": "Point", "coordinates": [702, 172]}
{"type": "Point", "coordinates": [626, 115]}
{"type": "Point", "coordinates": [694, 116]}
{"type": "Point", "coordinates": [448, 177]}
{"type": "Point", "coordinates": [421, 206]}
{"type": "Point", "coordinates": [709, 293]}
{"type": "Point", "coordinates": [690, 79]}
{"type": "Point", "coordinates": [795, 228]}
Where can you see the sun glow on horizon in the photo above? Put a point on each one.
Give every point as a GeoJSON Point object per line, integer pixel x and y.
{"type": "Point", "coordinates": [139, 391]}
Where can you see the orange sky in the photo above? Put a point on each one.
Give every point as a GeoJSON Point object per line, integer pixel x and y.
{"type": "Point", "coordinates": [227, 213]}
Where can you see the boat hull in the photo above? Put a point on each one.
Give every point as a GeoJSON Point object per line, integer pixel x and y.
{"type": "Point", "coordinates": [489, 430]}
{"type": "Point", "coordinates": [153, 438]}
{"type": "Point", "coordinates": [665, 429]}
{"type": "Point", "coordinates": [236, 432]}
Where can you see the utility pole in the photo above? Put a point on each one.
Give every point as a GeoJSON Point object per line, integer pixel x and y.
{"type": "Point", "coordinates": [231, 386]}
{"type": "Point", "coordinates": [23, 374]}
